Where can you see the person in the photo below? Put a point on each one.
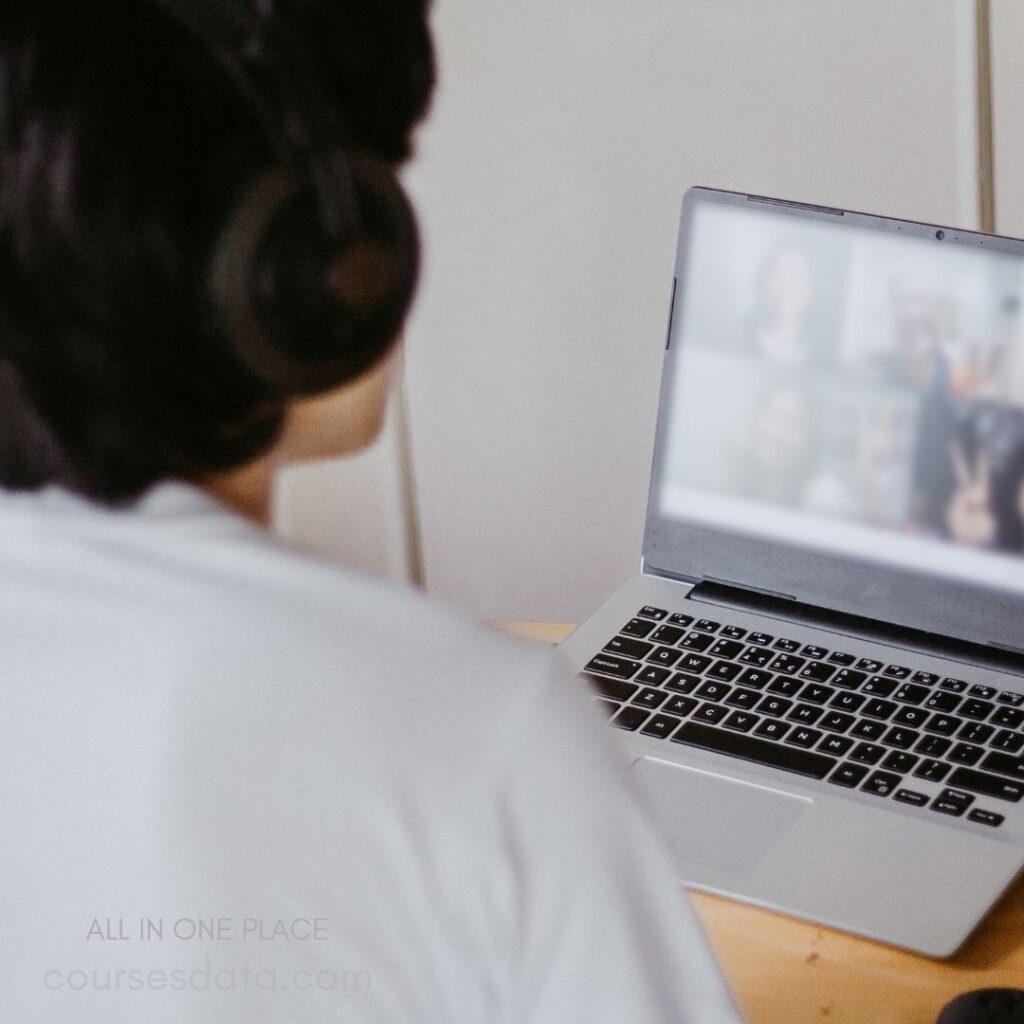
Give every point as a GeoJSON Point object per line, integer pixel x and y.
{"type": "Point", "coordinates": [241, 784]}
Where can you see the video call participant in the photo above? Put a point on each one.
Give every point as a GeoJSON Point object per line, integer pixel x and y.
{"type": "Point", "coordinates": [202, 278]}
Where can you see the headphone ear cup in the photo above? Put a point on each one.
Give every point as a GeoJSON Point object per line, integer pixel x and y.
{"type": "Point", "coordinates": [307, 310]}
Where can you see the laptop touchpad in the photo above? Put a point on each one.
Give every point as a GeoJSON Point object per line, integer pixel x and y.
{"type": "Point", "coordinates": [713, 822]}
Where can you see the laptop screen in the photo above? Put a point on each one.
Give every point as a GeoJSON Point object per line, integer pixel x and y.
{"type": "Point", "coordinates": [849, 391]}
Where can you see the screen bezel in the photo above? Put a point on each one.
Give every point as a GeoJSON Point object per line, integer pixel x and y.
{"type": "Point", "coordinates": [693, 551]}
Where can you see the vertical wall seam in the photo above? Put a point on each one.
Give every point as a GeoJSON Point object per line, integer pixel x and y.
{"type": "Point", "coordinates": [409, 496]}
{"type": "Point", "coordinates": [983, 93]}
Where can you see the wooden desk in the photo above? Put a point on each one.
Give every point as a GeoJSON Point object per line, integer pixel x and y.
{"type": "Point", "coordinates": [785, 971]}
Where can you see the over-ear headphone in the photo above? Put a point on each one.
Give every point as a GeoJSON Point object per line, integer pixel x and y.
{"type": "Point", "coordinates": [313, 271]}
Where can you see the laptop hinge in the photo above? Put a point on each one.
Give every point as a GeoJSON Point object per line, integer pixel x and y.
{"type": "Point", "coordinates": [789, 609]}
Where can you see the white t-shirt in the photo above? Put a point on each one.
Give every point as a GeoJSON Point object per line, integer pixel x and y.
{"type": "Point", "coordinates": [242, 785]}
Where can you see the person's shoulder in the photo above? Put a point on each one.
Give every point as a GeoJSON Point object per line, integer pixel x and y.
{"type": "Point", "coordinates": [313, 632]}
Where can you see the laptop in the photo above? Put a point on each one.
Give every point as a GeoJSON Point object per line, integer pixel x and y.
{"type": "Point", "coordinates": [817, 676]}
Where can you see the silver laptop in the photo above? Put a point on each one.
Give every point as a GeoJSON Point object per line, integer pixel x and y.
{"type": "Point", "coordinates": [818, 674]}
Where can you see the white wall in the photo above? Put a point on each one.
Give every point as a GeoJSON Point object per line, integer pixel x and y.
{"type": "Point", "coordinates": [549, 181]}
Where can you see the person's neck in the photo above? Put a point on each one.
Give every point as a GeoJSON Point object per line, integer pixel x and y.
{"type": "Point", "coordinates": [247, 490]}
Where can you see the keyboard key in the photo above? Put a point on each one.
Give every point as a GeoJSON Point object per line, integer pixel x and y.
{"type": "Point", "coordinates": [957, 796]}
{"type": "Point", "coordinates": [648, 698]}
{"type": "Point", "coordinates": [881, 783]}
{"type": "Point", "coordinates": [848, 775]}
{"type": "Point", "coordinates": [647, 612]}
{"type": "Point", "coordinates": [896, 671]}
{"type": "Point", "coordinates": [868, 730]}
{"type": "Point", "coordinates": [942, 702]}
{"type": "Point", "coordinates": [630, 718]}
{"type": "Point", "coordinates": [693, 663]}
{"type": "Point", "coordinates": [667, 635]}
{"type": "Point", "coordinates": [976, 709]}
{"type": "Point", "coordinates": [805, 713]}
{"type": "Point", "coordinates": [683, 682]}
{"type": "Point", "coordinates": [815, 693]}
{"type": "Point", "coordinates": [710, 713]}
{"type": "Point", "coordinates": [836, 721]}
{"type": "Point", "coordinates": [712, 690]}
{"type": "Point", "coordinates": [867, 753]}
{"type": "Point", "coordinates": [984, 692]}
{"type": "Point", "coordinates": [847, 701]}
{"type": "Point", "coordinates": [927, 678]}
{"type": "Point", "coordinates": [707, 625]}
{"type": "Point", "coordinates": [911, 716]}
{"type": "Point", "coordinates": [987, 785]}
{"type": "Point", "coordinates": [680, 706]}
{"type": "Point", "coordinates": [812, 651]}
{"type": "Point", "coordinates": [652, 675]}
{"type": "Point", "coordinates": [911, 693]}
{"type": "Point", "coordinates": [771, 728]}
{"type": "Point", "coordinates": [726, 649]}
{"type": "Point", "coordinates": [1009, 697]}
{"type": "Point", "coordinates": [637, 627]}
{"type": "Point", "coordinates": [878, 686]}
{"type": "Point", "coordinates": [909, 796]}
{"type": "Point", "coordinates": [944, 725]}
{"type": "Point", "coordinates": [1004, 764]}
{"type": "Point", "coordinates": [869, 665]}
{"type": "Point", "coordinates": [839, 658]}
{"type": "Point", "coordinates": [837, 745]}
{"type": "Point", "coordinates": [660, 726]}
{"type": "Point", "coordinates": [901, 737]}
{"type": "Point", "coordinates": [608, 665]}
{"type": "Point", "coordinates": [745, 699]}
{"type": "Point", "coordinates": [665, 656]}
{"type": "Point", "coordinates": [785, 686]}
{"type": "Point", "coordinates": [801, 736]}
{"type": "Point", "coordinates": [627, 646]}
{"type": "Point", "coordinates": [933, 746]}
{"type": "Point", "coordinates": [756, 656]}
{"type": "Point", "coordinates": [1011, 742]}
{"type": "Point", "coordinates": [696, 641]}
{"type": "Point", "coordinates": [953, 685]}
{"type": "Point", "coordinates": [964, 753]}
{"type": "Point", "coordinates": [754, 677]}
{"type": "Point", "coordinates": [817, 671]}
{"type": "Point", "coordinates": [727, 670]}
{"type": "Point", "coordinates": [880, 709]}
{"type": "Point", "coordinates": [679, 619]}
{"type": "Point", "coordinates": [985, 817]}
{"type": "Point", "coordinates": [899, 761]}
{"type": "Point", "coordinates": [733, 632]}
{"type": "Point", "coordinates": [975, 732]}
{"type": "Point", "coordinates": [944, 806]}
{"type": "Point", "coordinates": [759, 751]}
{"type": "Point", "coordinates": [741, 721]}
{"type": "Point", "coordinates": [932, 771]}
{"type": "Point", "coordinates": [788, 663]}
{"type": "Point", "coordinates": [789, 646]}
{"type": "Point", "coordinates": [848, 678]}
{"type": "Point", "coordinates": [614, 689]}
{"type": "Point", "coordinates": [1009, 718]}
{"type": "Point", "coordinates": [761, 639]}
{"type": "Point", "coordinates": [775, 706]}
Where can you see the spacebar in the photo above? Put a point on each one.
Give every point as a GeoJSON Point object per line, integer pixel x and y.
{"type": "Point", "coordinates": [748, 748]}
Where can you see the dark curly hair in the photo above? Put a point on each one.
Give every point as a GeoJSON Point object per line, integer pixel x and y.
{"type": "Point", "coordinates": [121, 147]}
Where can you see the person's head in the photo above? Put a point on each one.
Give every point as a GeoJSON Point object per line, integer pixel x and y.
{"type": "Point", "coordinates": [921, 319]}
{"type": "Point", "coordinates": [126, 151]}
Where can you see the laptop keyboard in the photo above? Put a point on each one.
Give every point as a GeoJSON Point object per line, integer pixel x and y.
{"type": "Point", "coordinates": [820, 713]}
